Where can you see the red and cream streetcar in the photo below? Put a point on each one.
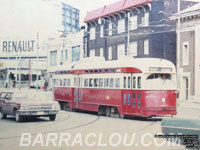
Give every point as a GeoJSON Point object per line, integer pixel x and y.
{"type": "Point", "coordinates": [142, 87]}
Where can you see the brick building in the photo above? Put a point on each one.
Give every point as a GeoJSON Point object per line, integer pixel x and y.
{"type": "Point", "coordinates": [139, 28]}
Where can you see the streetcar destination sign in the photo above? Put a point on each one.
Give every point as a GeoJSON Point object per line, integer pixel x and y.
{"type": "Point", "coordinates": [18, 46]}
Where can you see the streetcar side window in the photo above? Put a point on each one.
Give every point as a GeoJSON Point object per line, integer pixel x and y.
{"type": "Point", "coordinates": [95, 82]}
{"type": "Point", "coordinates": [139, 104]}
{"type": "Point", "coordinates": [139, 95]}
{"type": "Point", "coordinates": [124, 99]}
{"type": "Point", "coordinates": [80, 82]}
{"type": "Point", "coordinates": [74, 82]}
{"type": "Point", "coordinates": [111, 83]}
{"type": "Point", "coordinates": [54, 82]}
{"type": "Point", "coordinates": [85, 82]}
{"type": "Point", "coordinates": [129, 82]}
{"type": "Point", "coordinates": [134, 103]}
{"type": "Point", "coordinates": [134, 95]}
{"type": "Point", "coordinates": [68, 82]}
{"type": "Point", "coordinates": [134, 82]}
{"type": "Point", "coordinates": [100, 82]}
{"type": "Point", "coordinates": [65, 81]}
{"type": "Point", "coordinates": [117, 83]}
{"type": "Point", "coordinates": [139, 82]}
{"type": "Point", "coordinates": [106, 82]}
{"type": "Point", "coordinates": [129, 99]}
{"type": "Point", "coordinates": [124, 82]}
{"type": "Point", "coordinates": [60, 82]}
{"type": "Point", "coordinates": [90, 82]}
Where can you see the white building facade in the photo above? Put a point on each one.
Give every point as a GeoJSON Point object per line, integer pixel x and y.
{"type": "Point", "coordinates": [189, 54]}
{"type": "Point", "coordinates": [25, 37]}
{"type": "Point", "coordinates": [65, 51]}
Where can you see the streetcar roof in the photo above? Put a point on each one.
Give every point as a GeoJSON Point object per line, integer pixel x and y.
{"type": "Point", "coordinates": [145, 65]}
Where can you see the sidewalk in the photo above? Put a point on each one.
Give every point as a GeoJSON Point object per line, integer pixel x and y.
{"type": "Point", "coordinates": [189, 104]}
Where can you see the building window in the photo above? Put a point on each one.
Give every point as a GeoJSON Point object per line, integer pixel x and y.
{"type": "Point", "coordinates": [101, 52]}
{"type": "Point", "coordinates": [62, 57]}
{"type": "Point", "coordinates": [110, 53]}
{"type": "Point", "coordinates": [120, 50]}
{"type": "Point", "coordinates": [53, 58]}
{"type": "Point", "coordinates": [101, 31]}
{"type": "Point", "coordinates": [92, 33]}
{"type": "Point", "coordinates": [110, 29]}
{"type": "Point", "coordinates": [133, 49]}
{"type": "Point", "coordinates": [145, 19]}
{"type": "Point", "coordinates": [146, 47]}
{"type": "Point", "coordinates": [92, 53]}
{"type": "Point", "coordinates": [75, 53]}
{"type": "Point", "coordinates": [66, 55]}
{"type": "Point", "coordinates": [134, 22]}
{"type": "Point", "coordinates": [121, 26]}
{"type": "Point", "coordinates": [185, 53]}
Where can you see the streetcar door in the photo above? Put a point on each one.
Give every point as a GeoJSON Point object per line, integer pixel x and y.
{"type": "Point", "coordinates": [126, 101]}
{"type": "Point", "coordinates": [136, 95]}
{"type": "Point", "coordinates": [77, 91]}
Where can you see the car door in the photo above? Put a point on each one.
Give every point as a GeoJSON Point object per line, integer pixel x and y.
{"type": "Point", "coordinates": [10, 104]}
{"type": "Point", "coordinates": [3, 102]}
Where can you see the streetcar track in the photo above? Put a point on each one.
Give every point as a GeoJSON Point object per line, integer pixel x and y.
{"type": "Point", "coordinates": [145, 127]}
{"type": "Point", "coordinates": [52, 131]}
{"type": "Point", "coordinates": [54, 123]}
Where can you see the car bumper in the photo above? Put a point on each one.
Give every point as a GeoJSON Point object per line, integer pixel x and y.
{"type": "Point", "coordinates": [38, 113]}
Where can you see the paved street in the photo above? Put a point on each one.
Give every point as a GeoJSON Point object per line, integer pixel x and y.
{"type": "Point", "coordinates": [88, 131]}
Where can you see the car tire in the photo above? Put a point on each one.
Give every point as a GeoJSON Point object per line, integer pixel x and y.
{"type": "Point", "coordinates": [18, 117]}
{"type": "Point", "coordinates": [2, 115]}
{"type": "Point", "coordinates": [52, 117]}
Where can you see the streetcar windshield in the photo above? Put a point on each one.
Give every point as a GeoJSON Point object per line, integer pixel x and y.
{"type": "Point", "coordinates": [159, 76]}
{"type": "Point", "coordinates": [162, 81]}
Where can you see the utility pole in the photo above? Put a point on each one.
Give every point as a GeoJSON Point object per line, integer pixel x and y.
{"type": "Point", "coordinates": [128, 35]}
{"type": "Point", "coordinates": [37, 59]}
{"type": "Point", "coordinates": [178, 47]}
{"type": "Point", "coordinates": [30, 73]}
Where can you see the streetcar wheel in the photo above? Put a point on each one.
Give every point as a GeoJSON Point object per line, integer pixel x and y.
{"type": "Point", "coordinates": [2, 115]}
{"type": "Point", "coordinates": [108, 111]}
{"type": "Point", "coordinates": [18, 117]}
{"type": "Point", "coordinates": [52, 117]}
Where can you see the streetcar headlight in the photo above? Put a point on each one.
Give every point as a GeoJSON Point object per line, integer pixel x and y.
{"type": "Point", "coordinates": [163, 100]}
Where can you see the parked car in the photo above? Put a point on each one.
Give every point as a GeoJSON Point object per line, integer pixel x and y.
{"type": "Point", "coordinates": [21, 105]}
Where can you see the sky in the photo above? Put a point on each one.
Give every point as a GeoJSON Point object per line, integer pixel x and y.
{"type": "Point", "coordinates": [23, 19]}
